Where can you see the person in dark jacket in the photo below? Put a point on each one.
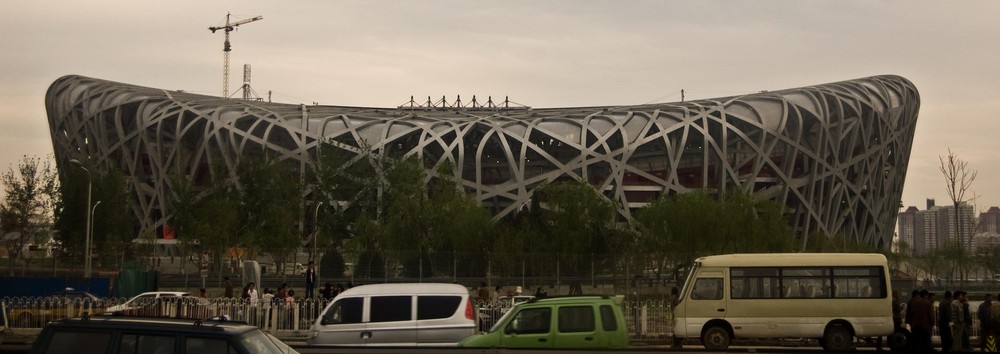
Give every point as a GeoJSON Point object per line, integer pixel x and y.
{"type": "Point", "coordinates": [923, 322]}
{"type": "Point", "coordinates": [944, 317]}
{"type": "Point", "coordinates": [985, 326]}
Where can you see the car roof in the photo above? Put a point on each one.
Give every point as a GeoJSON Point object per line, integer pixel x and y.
{"type": "Point", "coordinates": [571, 299]}
{"type": "Point", "coordinates": [171, 325]}
{"type": "Point", "coordinates": [160, 293]}
{"type": "Point", "coordinates": [406, 289]}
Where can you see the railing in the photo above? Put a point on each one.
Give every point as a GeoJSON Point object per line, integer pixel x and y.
{"type": "Point", "coordinates": [647, 320]}
{"type": "Point", "coordinates": [650, 319]}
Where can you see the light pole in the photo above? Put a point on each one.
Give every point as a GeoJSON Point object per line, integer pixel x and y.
{"type": "Point", "coordinates": [90, 184]}
{"type": "Point", "coordinates": [312, 257]}
{"type": "Point", "coordinates": [90, 235]}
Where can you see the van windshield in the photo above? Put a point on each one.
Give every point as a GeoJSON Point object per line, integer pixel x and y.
{"type": "Point", "coordinates": [259, 342]}
{"type": "Point", "coordinates": [502, 320]}
{"type": "Point", "coordinates": [687, 283]}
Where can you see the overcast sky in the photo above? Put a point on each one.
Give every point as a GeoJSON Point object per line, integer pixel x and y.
{"type": "Point", "coordinates": [539, 53]}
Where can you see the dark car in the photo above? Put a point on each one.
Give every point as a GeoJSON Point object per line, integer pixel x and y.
{"type": "Point", "coordinates": [109, 334]}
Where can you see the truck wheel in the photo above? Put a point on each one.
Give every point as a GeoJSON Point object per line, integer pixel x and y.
{"type": "Point", "coordinates": [837, 338]}
{"type": "Point", "coordinates": [716, 338]}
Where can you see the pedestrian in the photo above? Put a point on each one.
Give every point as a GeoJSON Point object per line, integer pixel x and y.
{"type": "Point", "coordinates": [202, 292]}
{"type": "Point", "coordinates": [267, 303]}
{"type": "Point", "coordinates": [945, 322]}
{"type": "Point", "coordinates": [985, 326]}
{"type": "Point", "coordinates": [252, 293]}
{"type": "Point", "coordinates": [484, 292]}
{"type": "Point", "coordinates": [957, 322]}
{"type": "Point", "coordinates": [966, 323]}
{"type": "Point", "coordinates": [922, 322]}
{"type": "Point", "coordinates": [289, 309]}
{"type": "Point", "coordinates": [228, 285]}
{"type": "Point", "coordinates": [673, 300]}
{"type": "Point", "coordinates": [282, 291]}
{"type": "Point", "coordinates": [327, 291]}
{"type": "Point", "coordinates": [310, 279]}
{"type": "Point", "coordinates": [908, 318]}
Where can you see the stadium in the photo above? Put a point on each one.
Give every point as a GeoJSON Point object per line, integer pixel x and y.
{"type": "Point", "coordinates": [835, 154]}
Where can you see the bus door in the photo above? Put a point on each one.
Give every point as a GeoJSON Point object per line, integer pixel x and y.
{"type": "Point", "coordinates": [706, 300]}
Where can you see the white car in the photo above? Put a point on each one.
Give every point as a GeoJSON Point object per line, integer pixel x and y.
{"type": "Point", "coordinates": [143, 300]}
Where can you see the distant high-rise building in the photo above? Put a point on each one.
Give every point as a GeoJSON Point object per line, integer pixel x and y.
{"type": "Point", "coordinates": [907, 221]}
{"type": "Point", "coordinates": [989, 221]}
{"type": "Point", "coordinates": [984, 241]}
{"type": "Point", "coordinates": [934, 228]}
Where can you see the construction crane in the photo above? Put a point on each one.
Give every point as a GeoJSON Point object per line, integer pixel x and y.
{"type": "Point", "coordinates": [226, 48]}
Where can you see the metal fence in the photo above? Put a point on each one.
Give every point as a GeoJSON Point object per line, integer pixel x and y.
{"type": "Point", "coordinates": [647, 320]}
{"type": "Point", "coordinates": [288, 320]}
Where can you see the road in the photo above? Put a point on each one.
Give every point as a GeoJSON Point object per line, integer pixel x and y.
{"type": "Point", "coordinates": [644, 349]}
{"type": "Point", "coordinates": [23, 349]}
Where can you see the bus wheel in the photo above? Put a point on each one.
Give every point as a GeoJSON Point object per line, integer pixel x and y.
{"type": "Point", "coordinates": [716, 338]}
{"type": "Point", "coordinates": [899, 341]}
{"type": "Point", "coordinates": [837, 338]}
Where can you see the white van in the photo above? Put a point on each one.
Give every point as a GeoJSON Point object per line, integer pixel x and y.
{"type": "Point", "coordinates": [407, 314]}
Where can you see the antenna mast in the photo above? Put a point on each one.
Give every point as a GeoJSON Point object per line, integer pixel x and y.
{"type": "Point", "coordinates": [226, 47]}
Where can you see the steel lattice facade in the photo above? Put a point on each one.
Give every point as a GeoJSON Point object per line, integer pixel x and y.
{"type": "Point", "coordinates": [835, 154]}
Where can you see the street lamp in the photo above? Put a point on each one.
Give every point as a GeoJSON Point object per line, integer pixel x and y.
{"type": "Point", "coordinates": [90, 184]}
{"type": "Point", "coordinates": [90, 234]}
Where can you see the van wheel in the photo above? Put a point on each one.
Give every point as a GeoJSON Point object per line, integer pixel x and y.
{"type": "Point", "coordinates": [837, 338]}
{"type": "Point", "coordinates": [716, 338]}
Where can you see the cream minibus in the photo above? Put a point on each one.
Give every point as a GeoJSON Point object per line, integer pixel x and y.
{"type": "Point", "coordinates": [829, 296]}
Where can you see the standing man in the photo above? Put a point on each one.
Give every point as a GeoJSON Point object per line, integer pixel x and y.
{"type": "Point", "coordinates": [310, 280]}
{"type": "Point", "coordinates": [966, 322]}
{"type": "Point", "coordinates": [957, 322]}
{"type": "Point", "coordinates": [922, 322]}
{"type": "Point", "coordinates": [985, 326]}
{"type": "Point", "coordinates": [945, 322]}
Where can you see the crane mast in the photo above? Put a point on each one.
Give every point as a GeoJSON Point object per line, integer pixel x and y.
{"type": "Point", "coordinates": [226, 47]}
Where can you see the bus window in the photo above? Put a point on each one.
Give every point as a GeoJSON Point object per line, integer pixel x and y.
{"type": "Point", "coordinates": [707, 289]}
{"type": "Point", "coordinates": [755, 283]}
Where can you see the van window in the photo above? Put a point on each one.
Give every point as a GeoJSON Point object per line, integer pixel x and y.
{"type": "Point", "coordinates": [535, 320]}
{"type": "Point", "coordinates": [146, 344]}
{"type": "Point", "coordinates": [707, 289]}
{"type": "Point", "coordinates": [346, 310]}
{"type": "Point", "coordinates": [432, 307]}
{"type": "Point", "coordinates": [608, 320]}
{"type": "Point", "coordinates": [208, 346]}
{"type": "Point", "coordinates": [576, 319]}
{"type": "Point", "coordinates": [391, 308]}
{"type": "Point", "coordinates": [79, 342]}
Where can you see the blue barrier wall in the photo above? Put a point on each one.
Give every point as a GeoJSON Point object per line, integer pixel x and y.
{"type": "Point", "coordinates": [44, 286]}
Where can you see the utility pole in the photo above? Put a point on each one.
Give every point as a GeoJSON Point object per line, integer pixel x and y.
{"type": "Point", "coordinates": [226, 47]}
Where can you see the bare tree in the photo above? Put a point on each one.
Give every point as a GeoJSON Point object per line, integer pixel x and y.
{"type": "Point", "coordinates": [958, 179]}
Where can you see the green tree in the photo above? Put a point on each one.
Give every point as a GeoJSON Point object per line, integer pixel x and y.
{"type": "Point", "coordinates": [27, 209]}
{"type": "Point", "coordinates": [676, 229]}
{"type": "Point", "coordinates": [205, 217]}
{"type": "Point", "coordinates": [113, 220]}
{"type": "Point", "coordinates": [577, 223]}
{"type": "Point", "coordinates": [271, 208]}
{"type": "Point", "coordinates": [932, 262]}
